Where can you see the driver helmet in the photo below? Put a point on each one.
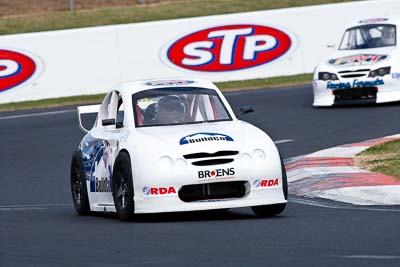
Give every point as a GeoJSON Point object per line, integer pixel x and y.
{"type": "Point", "coordinates": [388, 35]}
{"type": "Point", "coordinates": [171, 110]}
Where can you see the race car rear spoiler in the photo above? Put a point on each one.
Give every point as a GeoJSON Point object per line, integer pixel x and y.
{"type": "Point", "coordinates": [86, 110]}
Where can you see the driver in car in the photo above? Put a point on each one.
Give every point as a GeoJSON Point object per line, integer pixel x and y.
{"type": "Point", "coordinates": [388, 36]}
{"type": "Point", "coordinates": [171, 110]}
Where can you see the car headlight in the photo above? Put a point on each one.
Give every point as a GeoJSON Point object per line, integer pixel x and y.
{"type": "Point", "coordinates": [379, 72]}
{"type": "Point", "coordinates": [325, 76]}
{"type": "Point", "coordinates": [166, 163]}
{"type": "Point", "coordinates": [258, 154]}
{"type": "Point", "coordinates": [245, 158]}
{"type": "Point", "coordinates": [180, 163]}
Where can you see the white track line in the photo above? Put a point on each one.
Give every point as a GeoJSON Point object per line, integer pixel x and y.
{"type": "Point", "coordinates": [29, 207]}
{"type": "Point", "coordinates": [283, 141]}
{"type": "Point", "coordinates": [291, 200]}
{"type": "Point", "coordinates": [331, 206]}
{"type": "Point", "coordinates": [34, 205]}
{"type": "Point", "coordinates": [37, 114]}
{"type": "Point", "coordinates": [22, 209]}
{"type": "Point", "coordinates": [372, 257]}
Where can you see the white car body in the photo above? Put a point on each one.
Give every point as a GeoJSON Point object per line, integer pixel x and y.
{"type": "Point", "coordinates": [355, 63]}
{"type": "Point", "coordinates": [159, 169]}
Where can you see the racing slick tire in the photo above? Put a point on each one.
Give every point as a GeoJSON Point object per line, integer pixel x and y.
{"type": "Point", "coordinates": [122, 187]}
{"type": "Point", "coordinates": [272, 210]}
{"type": "Point", "coordinates": [269, 210]}
{"type": "Point", "coordinates": [78, 185]}
{"type": "Point", "coordinates": [284, 179]}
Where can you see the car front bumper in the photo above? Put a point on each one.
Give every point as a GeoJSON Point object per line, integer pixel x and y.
{"type": "Point", "coordinates": [389, 91]}
{"type": "Point", "coordinates": [173, 203]}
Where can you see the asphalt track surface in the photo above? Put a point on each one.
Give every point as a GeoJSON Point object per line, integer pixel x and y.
{"type": "Point", "coordinates": [38, 226]}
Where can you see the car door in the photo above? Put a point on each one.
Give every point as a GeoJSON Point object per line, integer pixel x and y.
{"type": "Point", "coordinates": [109, 132]}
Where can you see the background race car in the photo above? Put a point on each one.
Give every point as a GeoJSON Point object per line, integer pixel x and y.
{"type": "Point", "coordinates": [364, 69]}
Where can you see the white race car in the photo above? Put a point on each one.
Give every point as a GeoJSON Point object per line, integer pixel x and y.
{"type": "Point", "coordinates": [174, 145]}
{"type": "Point", "coordinates": [364, 69]}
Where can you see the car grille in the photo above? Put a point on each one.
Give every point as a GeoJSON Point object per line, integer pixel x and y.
{"type": "Point", "coordinates": [208, 159]}
{"type": "Point", "coordinates": [353, 73]}
{"type": "Point", "coordinates": [210, 155]}
{"type": "Point", "coordinates": [209, 162]}
{"type": "Point", "coordinates": [214, 191]}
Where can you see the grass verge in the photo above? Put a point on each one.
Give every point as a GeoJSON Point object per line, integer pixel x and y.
{"type": "Point", "coordinates": [56, 20]}
{"type": "Point", "coordinates": [224, 86]}
{"type": "Point", "coordinates": [383, 158]}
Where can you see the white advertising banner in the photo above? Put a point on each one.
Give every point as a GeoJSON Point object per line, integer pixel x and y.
{"type": "Point", "coordinates": [219, 48]}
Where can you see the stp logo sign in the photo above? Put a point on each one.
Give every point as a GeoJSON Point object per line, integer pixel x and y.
{"type": "Point", "coordinates": [229, 48]}
{"type": "Point", "coordinates": [15, 68]}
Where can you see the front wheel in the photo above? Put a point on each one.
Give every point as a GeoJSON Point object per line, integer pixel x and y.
{"type": "Point", "coordinates": [269, 210]}
{"type": "Point", "coordinates": [122, 187]}
{"type": "Point", "coordinates": [272, 210]}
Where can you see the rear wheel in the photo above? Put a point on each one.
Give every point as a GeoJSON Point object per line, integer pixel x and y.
{"type": "Point", "coordinates": [78, 185]}
{"type": "Point", "coordinates": [122, 187]}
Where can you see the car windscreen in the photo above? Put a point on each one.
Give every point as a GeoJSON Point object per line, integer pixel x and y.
{"type": "Point", "coordinates": [369, 36]}
{"type": "Point", "coordinates": [175, 106]}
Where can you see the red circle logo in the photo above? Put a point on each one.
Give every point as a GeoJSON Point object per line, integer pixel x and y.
{"type": "Point", "coordinates": [229, 48]}
{"type": "Point", "coordinates": [15, 68]}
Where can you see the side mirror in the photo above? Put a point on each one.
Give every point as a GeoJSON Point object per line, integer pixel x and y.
{"type": "Point", "coordinates": [119, 125]}
{"type": "Point", "coordinates": [246, 109]}
{"type": "Point", "coordinates": [108, 122]}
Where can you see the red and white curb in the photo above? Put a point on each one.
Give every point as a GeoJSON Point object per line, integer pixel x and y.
{"type": "Point", "coordinates": [331, 174]}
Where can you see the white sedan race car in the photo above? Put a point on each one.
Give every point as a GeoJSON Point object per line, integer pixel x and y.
{"type": "Point", "coordinates": [174, 145]}
{"type": "Point", "coordinates": [364, 69]}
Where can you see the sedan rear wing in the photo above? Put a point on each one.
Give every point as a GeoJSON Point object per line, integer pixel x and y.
{"type": "Point", "coordinates": [86, 110]}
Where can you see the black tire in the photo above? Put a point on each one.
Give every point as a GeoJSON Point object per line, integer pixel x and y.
{"type": "Point", "coordinates": [269, 210]}
{"type": "Point", "coordinates": [122, 187]}
{"type": "Point", "coordinates": [272, 210]}
{"type": "Point", "coordinates": [78, 185]}
{"type": "Point", "coordinates": [284, 179]}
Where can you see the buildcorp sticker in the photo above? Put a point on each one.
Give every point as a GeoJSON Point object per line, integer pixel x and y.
{"type": "Point", "coordinates": [16, 68]}
{"type": "Point", "coordinates": [205, 137]}
{"type": "Point", "coordinates": [228, 48]}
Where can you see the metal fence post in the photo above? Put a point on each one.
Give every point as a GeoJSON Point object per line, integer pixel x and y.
{"type": "Point", "coordinates": [71, 5]}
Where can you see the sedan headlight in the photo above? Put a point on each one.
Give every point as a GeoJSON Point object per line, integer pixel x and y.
{"type": "Point", "coordinates": [379, 72]}
{"type": "Point", "coordinates": [326, 76]}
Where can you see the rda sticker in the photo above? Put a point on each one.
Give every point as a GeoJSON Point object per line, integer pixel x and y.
{"type": "Point", "coordinates": [265, 183]}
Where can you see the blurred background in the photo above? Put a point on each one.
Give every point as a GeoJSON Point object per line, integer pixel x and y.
{"type": "Point", "coordinates": [19, 7]}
